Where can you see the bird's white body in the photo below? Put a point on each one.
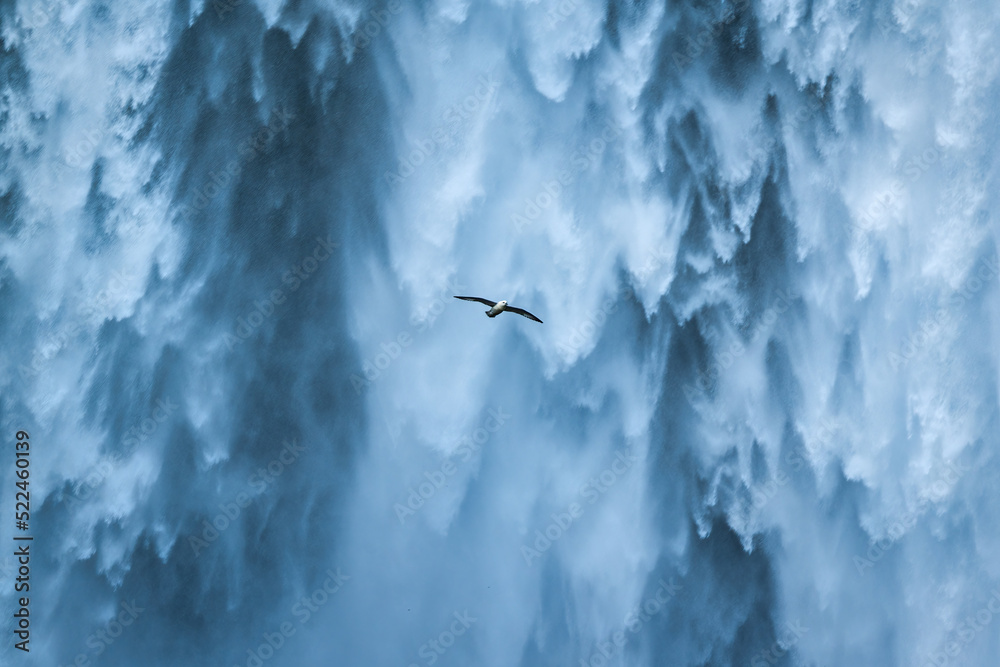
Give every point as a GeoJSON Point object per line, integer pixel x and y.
{"type": "Point", "coordinates": [497, 307]}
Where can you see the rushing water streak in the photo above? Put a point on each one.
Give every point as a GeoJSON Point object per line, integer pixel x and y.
{"type": "Point", "coordinates": [758, 425]}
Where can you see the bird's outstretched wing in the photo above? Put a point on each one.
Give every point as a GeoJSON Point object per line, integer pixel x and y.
{"type": "Point", "coordinates": [522, 311]}
{"type": "Point", "coordinates": [476, 298]}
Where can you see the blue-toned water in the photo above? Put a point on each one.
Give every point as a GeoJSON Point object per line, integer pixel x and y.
{"type": "Point", "coordinates": [759, 425]}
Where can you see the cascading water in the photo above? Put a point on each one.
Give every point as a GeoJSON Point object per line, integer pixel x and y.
{"type": "Point", "coordinates": [758, 427]}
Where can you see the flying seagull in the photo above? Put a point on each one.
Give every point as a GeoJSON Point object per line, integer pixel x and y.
{"type": "Point", "coordinates": [498, 307]}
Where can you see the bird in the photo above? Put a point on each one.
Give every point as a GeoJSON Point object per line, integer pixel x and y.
{"type": "Point", "coordinates": [497, 307]}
